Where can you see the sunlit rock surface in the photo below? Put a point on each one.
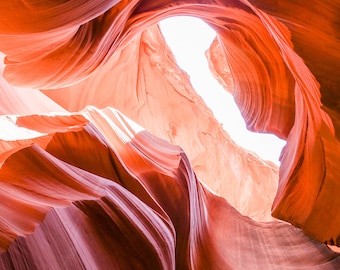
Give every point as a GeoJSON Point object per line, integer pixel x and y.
{"type": "Point", "coordinates": [159, 97]}
{"type": "Point", "coordinates": [82, 186]}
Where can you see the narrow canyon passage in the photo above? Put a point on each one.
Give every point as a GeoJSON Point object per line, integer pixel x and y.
{"type": "Point", "coordinates": [111, 159]}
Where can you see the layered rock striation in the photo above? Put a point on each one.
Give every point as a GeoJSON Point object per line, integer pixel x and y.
{"type": "Point", "coordinates": [83, 186]}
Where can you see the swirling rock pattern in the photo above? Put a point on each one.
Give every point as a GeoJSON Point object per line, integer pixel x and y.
{"type": "Point", "coordinates": [86, 187]}
{"type": "Point", "coordinates": [109, 195]}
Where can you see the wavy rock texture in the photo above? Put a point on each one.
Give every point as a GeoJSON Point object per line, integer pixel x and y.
{"type": "Point", "coordinates": [154, 88]}
{"type": "Point", "coordinates": [85, 187]}
{"type": "Point", "coordinates": [112, 196]}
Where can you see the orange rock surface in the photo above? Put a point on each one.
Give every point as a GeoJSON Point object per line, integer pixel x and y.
{"type": "Point", "coordinates": [83, 186]}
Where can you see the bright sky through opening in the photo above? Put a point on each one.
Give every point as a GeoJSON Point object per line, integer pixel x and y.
{"type": "Point", "coordinates": [188, 39]}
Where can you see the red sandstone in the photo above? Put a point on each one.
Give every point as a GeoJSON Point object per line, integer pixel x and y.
{"type": "Point", "coordinates": [83, 186]}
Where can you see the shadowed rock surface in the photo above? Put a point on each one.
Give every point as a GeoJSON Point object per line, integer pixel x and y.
{"type": "Point", "coordinates": [84, 187]}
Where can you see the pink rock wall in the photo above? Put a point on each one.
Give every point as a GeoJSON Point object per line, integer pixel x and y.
{"type": "Point", "coordinates": [85, 187]}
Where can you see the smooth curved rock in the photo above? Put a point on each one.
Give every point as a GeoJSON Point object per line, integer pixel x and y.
{"type": "Point", "coordinates": [125, 216]}
{"type": "Point", "coordinates": [64, 175]}
{"type": "Point", "coordinates": [154, 88]}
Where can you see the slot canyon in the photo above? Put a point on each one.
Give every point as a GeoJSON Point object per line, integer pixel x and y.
{"type": "Point", "coordinates": [109, 158]}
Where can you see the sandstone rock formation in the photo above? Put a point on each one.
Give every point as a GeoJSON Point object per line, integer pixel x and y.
{"type": "Point", "coordinates": [83, 186]}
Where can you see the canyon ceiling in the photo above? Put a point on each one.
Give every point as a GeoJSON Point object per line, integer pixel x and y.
{"type": "Point", "coordinates": [110, 159]}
